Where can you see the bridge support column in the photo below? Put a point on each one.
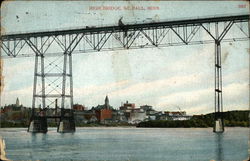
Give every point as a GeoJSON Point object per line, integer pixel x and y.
{"type": "Point", "coordinates": [67, 123]}
{"type": "Point", "coordinates": [218, 116]}
{"type": "Point", "coordinates": [53, 81]}
{"type": "Point", "coordinates": [218, 127]}
{"type": "Point", "coordinates": [38, 125]}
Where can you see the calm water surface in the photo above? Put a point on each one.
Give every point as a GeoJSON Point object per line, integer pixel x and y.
{"type": "Point", "coordinates": [127, 144]}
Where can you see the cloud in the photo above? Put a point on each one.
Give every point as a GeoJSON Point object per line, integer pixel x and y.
{"type": "Point", "coordinates": [154, 86]}
{"type": "Point", "coordinates": [201, 109]}
{"type": "Point", "coordinates": [236, 95]}
{"type": "Point", "coordinates": [241, 75]}
{"type": "Point", "coordinates": [195, 101]}
{"type": "Point", "coordinates": [186, 99]}
{"type": "Point", "coordinates": [95, 89]}
{"type": "Point", "coordinates": [24, 95]}
{"type": "Point", "coordinates": [146, 92]}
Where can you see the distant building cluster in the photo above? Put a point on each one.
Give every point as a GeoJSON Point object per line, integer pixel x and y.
{"type": "Point", "coordinates": [127, 113]}
{"type": "Point", "coordinates": [15, 113]}
{"type": "Point", "coordinates": [105, 114]}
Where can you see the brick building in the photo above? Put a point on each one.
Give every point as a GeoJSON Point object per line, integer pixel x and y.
{"type": "Point", "coordinates": [104, 112]}
{"type": "Point", "coordinates": [78, 107]}
{"type": "Point", "coordinates": [127, 106]}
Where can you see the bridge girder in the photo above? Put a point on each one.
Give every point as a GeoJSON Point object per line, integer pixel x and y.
{"type": "Point", "coordinates": [157, 34]}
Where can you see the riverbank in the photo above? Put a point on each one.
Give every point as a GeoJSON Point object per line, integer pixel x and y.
{"type": "Point", "coordinates": [5, 124]}
{"type": "Point", "coordinates": [188, 124]}
{"type": "Point", "coordinates": [231, 119]}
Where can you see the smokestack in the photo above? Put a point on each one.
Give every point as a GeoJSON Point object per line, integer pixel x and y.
{"type": "Point", "coordinates": [56, 106]}
{"type": "Point", "coordinates": [56, 110]}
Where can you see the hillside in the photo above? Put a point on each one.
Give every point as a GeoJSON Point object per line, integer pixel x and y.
{"type": "Point", "coordinates": [231, 119]}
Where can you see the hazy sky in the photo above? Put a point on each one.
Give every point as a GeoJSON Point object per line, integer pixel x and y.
{"type": "Point", "coordinates": [162, 77]}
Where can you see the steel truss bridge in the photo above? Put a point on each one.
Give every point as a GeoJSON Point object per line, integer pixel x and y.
{"type": "Point", "coordinates": [53, 77]}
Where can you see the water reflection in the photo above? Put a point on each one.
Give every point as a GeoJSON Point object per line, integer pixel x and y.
{"type": "Point", "coordinates": [38, 138]}
{"type": "Point", "coordinates": [33, 137]}
{"type": "Point", "coordinates": [219, 152]}
{"type": "Point", "coordinates": [128, 144]}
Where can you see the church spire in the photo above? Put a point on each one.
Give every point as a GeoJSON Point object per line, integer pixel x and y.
{"type": "Point", "coordinates": [107, 102]}
{"type": "Point", "coordinates": [17, 102]}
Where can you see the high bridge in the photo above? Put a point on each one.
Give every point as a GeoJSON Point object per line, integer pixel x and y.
{"type": "Point", "coordinates": [52, 52]}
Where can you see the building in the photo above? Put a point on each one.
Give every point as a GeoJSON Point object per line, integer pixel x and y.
{"type": "Point", "coordinates": [177, 115]}
{"type": "Point", "coordinates": [186, 117]}
{"type": "Point", "coordinates": [136, 116]}
{"type": "Point", "coordinates": [78, 107]}
{"type": "Point", "coordinates": [151, 112]}
{"type": "Point", "coordinates": [127, 106]}
{"type": "Point", "coordinates": [85, 116]}
{"type": "Point", "coordinates": [146, 107]}
{"type": "Point", "coordinates": [119, 116]}
{"type": "Point", "coordinates": [156, 115]}
{"type": "Point", "coordinates": [107, 102]}
{"type": "Point", "coordinates": [104, 112]}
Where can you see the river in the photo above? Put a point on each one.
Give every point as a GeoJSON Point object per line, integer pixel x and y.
{"type": "Point", "coordinates": [127, 144]}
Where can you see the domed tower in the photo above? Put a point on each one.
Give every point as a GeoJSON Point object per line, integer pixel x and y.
{"type": "Point", "coordinates": [107, 102]}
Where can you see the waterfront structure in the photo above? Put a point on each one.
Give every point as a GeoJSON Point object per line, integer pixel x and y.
{"type": "Point", "coordinates": [85, 117]}
{"type": "Point", "coordinates": [119, 116]}
{"type": "Point", "coordinates": [133, 115]}
{"type": "Point", "coordinates": [177, 115]}
{"type": "Point", "coordinates": [155, 115]}
{"type": "Point", "coordinates": [180, 118]}
{"type": "Point", "coordinates": [136, 116]}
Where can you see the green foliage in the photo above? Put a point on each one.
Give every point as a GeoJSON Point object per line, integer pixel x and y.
{"type": "Point", "coordinates": [173, 124]}
{"type": "Point", "coordinates": [5, 124]}
{"type": "Point", "coordinates": [52, 124]}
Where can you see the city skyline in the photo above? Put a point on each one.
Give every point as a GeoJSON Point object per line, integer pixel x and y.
{"type": "Point", "coordinates": [162, 77]}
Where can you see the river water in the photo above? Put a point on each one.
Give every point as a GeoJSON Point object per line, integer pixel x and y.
{"type": "Point", "coordinates": [127, 144]}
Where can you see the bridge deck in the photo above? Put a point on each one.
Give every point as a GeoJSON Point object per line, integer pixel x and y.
{"type": "Point", "coordinates": [108, 29]}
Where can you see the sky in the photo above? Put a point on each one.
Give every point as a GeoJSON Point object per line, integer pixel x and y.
{"type": "Point", "coordinates": [165, 78]}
